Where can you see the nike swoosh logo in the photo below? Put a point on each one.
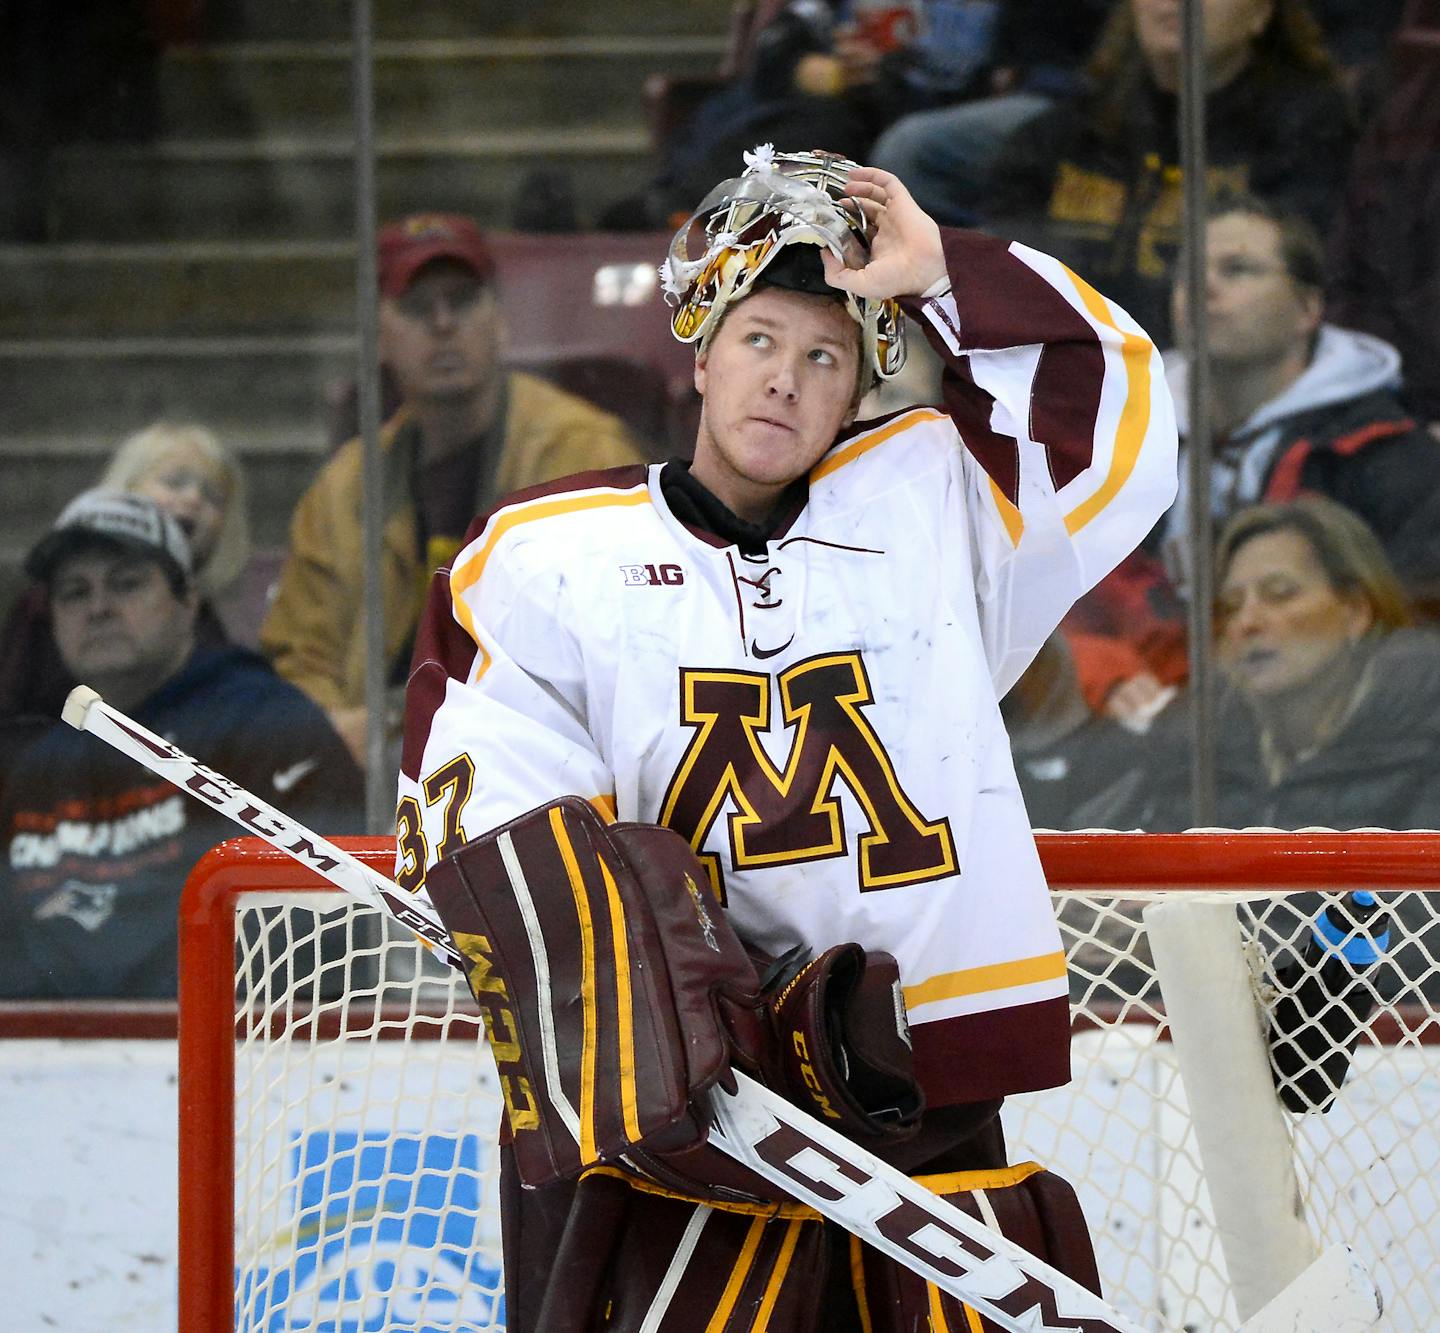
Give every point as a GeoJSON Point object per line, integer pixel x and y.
{"type": "Point", "coordinates": [288, 777]}
{"type": "Point", "coordinates": [763, 653]}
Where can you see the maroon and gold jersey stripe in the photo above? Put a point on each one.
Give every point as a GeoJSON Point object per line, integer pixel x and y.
{"type": "Point", "coordinates": [993, 976]}
{"type": "Point", "coordinates": [1134, 416]}
{"type": "Point", "coordinates": [849, 452]}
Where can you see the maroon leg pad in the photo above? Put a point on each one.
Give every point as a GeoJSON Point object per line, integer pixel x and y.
{"type": "Point", "coordinates": [1035, 1208]}
{"type": "Point", "coordinates": [679, 1267]}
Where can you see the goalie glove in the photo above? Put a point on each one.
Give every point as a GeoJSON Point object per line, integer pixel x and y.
{"type": "Point", "coordinates": [841, 1041]}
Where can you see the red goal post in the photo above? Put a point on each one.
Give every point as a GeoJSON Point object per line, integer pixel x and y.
{"type": "Point", "coordinates": [264, 1048]}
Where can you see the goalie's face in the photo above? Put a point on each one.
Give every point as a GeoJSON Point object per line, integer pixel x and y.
{"type": "Point", "coordinates": [779, 381]}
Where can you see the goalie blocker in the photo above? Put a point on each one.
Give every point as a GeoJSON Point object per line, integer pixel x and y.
{"type": "Point", "coordinates": [616, 995]}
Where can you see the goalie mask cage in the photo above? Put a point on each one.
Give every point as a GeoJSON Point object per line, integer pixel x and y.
{"type": "Point", "coordinates": [338, 1106]}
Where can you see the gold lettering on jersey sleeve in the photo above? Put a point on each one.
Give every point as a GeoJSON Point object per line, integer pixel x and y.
{"type": "Point", "coordinates": [410, 843]}
{"type": "Point", "coordinates": [793, 815]}
{"type": "Point", "coordinates": [452, 782]}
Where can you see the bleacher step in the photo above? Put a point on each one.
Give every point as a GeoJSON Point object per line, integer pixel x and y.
{"type": "Point", "coordinates": [178, 289]}
{"type": "Point", "coordinates": [302, 187]}
{"type": "Point", "coordinates": [108, 386]}
{"type": "Point", "coordinates": [432, 87]}
{"type": "Point", "coordinates": [550, 286]}
{"type": "Point", "coordinates": [333, 19]}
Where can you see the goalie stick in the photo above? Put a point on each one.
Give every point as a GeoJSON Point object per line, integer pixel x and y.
{"type": "Point", "coordinates": [773, 1137]}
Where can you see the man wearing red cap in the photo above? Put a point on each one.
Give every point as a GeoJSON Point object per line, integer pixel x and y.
{"type": "Point", "coordinates": [468, 431]}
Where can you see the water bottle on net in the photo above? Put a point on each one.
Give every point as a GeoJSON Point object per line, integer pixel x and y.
{"type": "Point", "coordinates": [1325, 997]}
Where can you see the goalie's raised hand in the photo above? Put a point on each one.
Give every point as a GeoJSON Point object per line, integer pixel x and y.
{"type": "Point", "coordinates": [906, 257]}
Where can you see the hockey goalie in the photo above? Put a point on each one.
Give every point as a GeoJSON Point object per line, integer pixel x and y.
{"type": "Point", "coordinates": [704, 768]}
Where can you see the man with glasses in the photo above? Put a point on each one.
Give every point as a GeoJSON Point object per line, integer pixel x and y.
{"type": "Point", "coordinates": [1299, 405]}
{"type": "Point", "coordinates": [467, 432]}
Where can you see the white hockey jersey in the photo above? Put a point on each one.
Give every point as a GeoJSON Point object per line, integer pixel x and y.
{"type": "Point", "coordinates": [822, 721]}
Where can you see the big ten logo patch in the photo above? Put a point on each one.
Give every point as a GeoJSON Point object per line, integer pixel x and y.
{"type": "Point", "coordinates": [652, 576]}
{"type": "Point", "coordinates": [387, 1230]}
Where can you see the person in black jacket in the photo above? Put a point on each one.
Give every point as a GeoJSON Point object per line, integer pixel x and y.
{"type": "Point", "coordinates": [96, 849]}
{"type": "Point", "coordinates": [945, 154]}
{"type": "Point", "coordinates": [1098, 181]}
{"type": "Point", "coordinates": [1331, 714]}
{"type": "Point", "coordinates": [1385, 243]}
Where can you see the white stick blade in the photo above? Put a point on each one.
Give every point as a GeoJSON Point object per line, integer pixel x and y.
{"type": "Point", "coordinates": [1336, 1294]}
{"type": "Point", "coordinates": [78, 704]}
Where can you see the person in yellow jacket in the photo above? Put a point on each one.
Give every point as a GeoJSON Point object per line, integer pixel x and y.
{"type": "Point", "coordinates": [468, 432]}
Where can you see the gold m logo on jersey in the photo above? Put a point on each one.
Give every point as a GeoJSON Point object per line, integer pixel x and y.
{"type": "Point", "coordinates": [783, 817]}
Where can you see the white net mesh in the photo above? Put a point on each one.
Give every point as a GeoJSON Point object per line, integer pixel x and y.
{"type": "Point", "coordinates": [365, 1186]}
{"type": "Point", "coordinates": [1121, 1131]}
{"type": "Point", "coordinates": [366, 1172]}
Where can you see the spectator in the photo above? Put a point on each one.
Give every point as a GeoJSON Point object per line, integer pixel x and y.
{"type": "Point", "coordinates": [946, 154]}
{"type": "Point", "coordinates": [831, 73]}
{"type": "Point", "coordinates": [1098, 182]}
{"type": "Point", "coordinates": [95, 849]}
{"type": "Point", "coordinates": [1332, 712]}
{"type": "Point", "coordinates": [1297, 406]}
{"type": "Point", "coordinates": [188, 472]}
{"type": "Point", "coordinates": [1385, 249]}
{"type": "Point", "coordinates": [468, 432]}
{"type": "Point", "coordinates": [1080, 771]}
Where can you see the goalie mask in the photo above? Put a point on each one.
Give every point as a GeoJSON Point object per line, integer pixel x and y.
{"type": "Point", "coordinates": [746, 224]}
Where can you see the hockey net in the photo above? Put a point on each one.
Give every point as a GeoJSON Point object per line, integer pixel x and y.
{"type": "Point", "coordinates": [338, 1106]}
